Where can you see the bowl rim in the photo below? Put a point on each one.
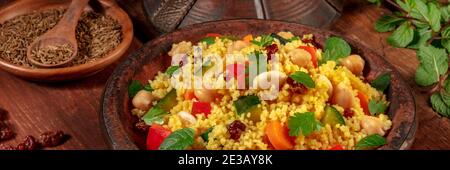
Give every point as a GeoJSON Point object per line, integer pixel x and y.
{"type": "Point", "coordinates": [118, 142]}
{"type": "Point", "coordinates": [109, 58]}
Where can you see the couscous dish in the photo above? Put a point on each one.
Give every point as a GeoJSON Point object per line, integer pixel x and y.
{"type": "Point", "coordinates": [262, 92]}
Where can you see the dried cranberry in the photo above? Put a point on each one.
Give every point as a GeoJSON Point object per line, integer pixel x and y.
{"type": "Point", "coordinates": [271, 50]}
{"type": "Point", "coordinates": [6, 147]}
{"type": "Point", "coordinates": [296, 87]}
{"type": "Point", "coordinates": [6, 133]}
{"type": "Point", "coordinates": [348, 113]}
{"type": "Point", "coordinates": [235, 129]}
{"type": "Point", "coordinates": [313, 42]}
{"type": "Point", "coordinates": [141, 126]}
{"type": "Point", "coordinates": [51, 139]}
{"type": "Point", "coordinates": [28, 144]}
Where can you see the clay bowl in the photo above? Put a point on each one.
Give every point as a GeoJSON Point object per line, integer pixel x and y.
{"type": "Point", "coordinates": [146, 62]}
{"type": "Point", "coordinates": [22, 7]}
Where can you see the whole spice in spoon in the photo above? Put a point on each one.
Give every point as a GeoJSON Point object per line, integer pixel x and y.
{"type": "Point", "coordinates": [52, 54]}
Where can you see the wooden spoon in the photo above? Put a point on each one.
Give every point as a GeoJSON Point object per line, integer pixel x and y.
{"type": "Point", "coordinates": [62, 34]}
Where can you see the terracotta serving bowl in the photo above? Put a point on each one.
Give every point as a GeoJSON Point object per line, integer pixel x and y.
{"type": "Point", "coordinates": [146, 62]}
{"type": "Point", "coordinates": [22, 7]}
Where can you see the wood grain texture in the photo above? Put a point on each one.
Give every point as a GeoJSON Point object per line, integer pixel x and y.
{"type": "Point", "coordinates": [73, 107]}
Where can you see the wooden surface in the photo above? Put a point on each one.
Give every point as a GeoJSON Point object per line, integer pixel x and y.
{"type": "Point", "coordinates": [74, 106]}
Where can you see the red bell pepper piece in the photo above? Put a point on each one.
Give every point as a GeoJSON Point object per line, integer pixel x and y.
{"type": "Point", "coordinates": [312, 51]}
{"type": "Point", "coordinates": [156, 136]}
{"type": "Point", "coordinates": [337, 148]}
{"type": "Point", "coordinates": [201, 108]}
{"type": "Point", "coordinates": [213, 35]}
{"type": "Point", "coordinates": [364, 102]}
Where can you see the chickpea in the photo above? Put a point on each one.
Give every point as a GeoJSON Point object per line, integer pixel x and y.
{"type": "Point", "coordinates": [324, 79]}
{"type": "Point", "coordinates": [372, 125]}
{"type": "Point", "coordinates": [343, 96]}
{"type": "Point", "coordinates": [300, 57]}
{"type": "Point", "coordinates": [354, 63]}
{"type": "Point", "coordinates": [205, 95]}
{"type": "Point", "coordinates": [236, 46]}
{"type": "Point", "coordinates": [142, 100]}
{"type": "Point", "coordinates": [180, 48]}
{"type": "Point", "coordinates": [187, 118]}
{"type": "Point", "coordinates": [267, 79]}
{"type": "Point", "coordinates": [286, 35]}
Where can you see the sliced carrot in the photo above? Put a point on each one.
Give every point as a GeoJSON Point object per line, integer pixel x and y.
{"type": "Point", "coordinates": [213, 35]}
{"type": "Point", "coordinates": [364, 102]}
{"type": "Point", "coordinates": [189, 95]}
{"type": "Point", "coordinates": [248, 38]}
{"type": "Point", "coordinates": [278, 137]}
{"type": "Point", "coordinates": [312, 51]}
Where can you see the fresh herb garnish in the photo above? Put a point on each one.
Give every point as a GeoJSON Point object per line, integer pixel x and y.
{"type": "Point", "coordinates": [178, 140]}
{"type": "Point", "coordinates": [376, 108]}
{"type": "Point", "coordinates": [205, 135]}
{"type": "Point", "coordinates": [303, 78]}
{"type": "Point", "coordinates": [335, 49]}
{"type": "Point", "coordinates": [370, 142]}
{"type": "Point", "coordinates": [381, 82]}
{"type": "Point", "coordinates": [246, 103]}
{"type": "Point", "coordinates": [155, 115]}
{"type": "Point", "coordinates": [172, 70]}
{"type": "Point", "coordinates": [148, 87]}
{"type": "Point", "coordinates": [423, 26]}
{"type": "Point", "coordinates": [303, 124]}
{"type": "Point", "coordinates": [264, 41]}
{"type": "Point", "coordinates": [209, 40]}
{"type": "Point", "coordinates": [134, 87]}
{"type": "Point", "coordinates": [294, 39]}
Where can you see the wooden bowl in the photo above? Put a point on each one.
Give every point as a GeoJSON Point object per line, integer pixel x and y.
{"type": "Point", "coordinates": [146, 62]}
{"type": "Point", "coordinates": [22, 7]}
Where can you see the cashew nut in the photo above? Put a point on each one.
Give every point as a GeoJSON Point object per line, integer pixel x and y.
{"type": "Point", "coordinates": [372, 125]}
{"type": "Point", "coordinates": [205, 95]}
{"type": "Point", "coordinates": [142, 100]}
{"type": "Point", "coordinates": [187, 118]}
{"type": "Point", "coordinates": [286, 35]}
{"type": "Point", "coordinates": [268, 79]}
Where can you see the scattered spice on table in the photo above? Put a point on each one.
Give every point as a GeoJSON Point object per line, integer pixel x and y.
{"type": "Point", "coordinates": [52, 54]}
{"type": "Point", "coordinates": [97, 35]}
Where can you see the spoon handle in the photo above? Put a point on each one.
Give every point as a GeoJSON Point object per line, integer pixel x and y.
{"type": "Point", "coordinates": [70, 19]}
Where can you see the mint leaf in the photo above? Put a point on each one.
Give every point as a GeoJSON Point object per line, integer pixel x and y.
{"type": "Point", "coordinates": [178, 140]}
{"type": "Point", "coordinates": [370, 142]}
{"type": "Point", "coordinates": [445, 13]}
{"type": "Point", "coordinates": [209, 40]}
{"type": "Point", "coordinates": [148, 87]}
{"type": "Point", "coordinates": [382, 82]}
{"type": "Point", "coordinates": [406, 5]}
{"type": "Point", "coordinates": [402, 36]}
{"type": "Point", "coordinates": [303, 124]}
{"type": "Point", "coordinates": [376, 108]}
{"type": "Point", "coordinates": [245, 103]}
{"type": "Point", "coordinates": [134, 87]}
{"type": "Point", "coordinates": [421, 37]}
{"type": "Point", "coordinates": [303, 78]}
{"type": "Point", "coordinates": [433, 63]}
{"type": "Point", "coordinates": [335, 49]}
{"type": "Point", "coordinates": [264, 41]}
{"type": "Point", "coordinates": [387, 23]}
{"type": "Point", "coordinates": [445, 42]}
{"type": "Point", "coordinates": [439, 105]}
{"type": "Point", "coordinates": [155, 115]}
{"type": "Point", "coordinates": [428, 13]}
{"type": "Point", "coordinates": [172, 70]}
{"type": "Point", "coordinates": [434, 15]}
{"type": "Point", "coordinates": [205, 135]}
{"type": "Point", "coordinates": [377, 2]}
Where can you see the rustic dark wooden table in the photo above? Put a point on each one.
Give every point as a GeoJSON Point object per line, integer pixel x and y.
{"type": "Point", "coordinates": [74, 106]}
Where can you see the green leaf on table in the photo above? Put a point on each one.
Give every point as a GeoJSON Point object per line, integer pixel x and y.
{"type": "Point", "coordinates": [429, 13]}
{"type": "Point", "coordinates": [445, 13]}
{"type": "Point", "coordinates": [421, 37]}
{"type": "Point", "coordinates": [376, 108]}
{"type": "Point", "coordinates": [433, 63]}
{"type": "Point", "coordinates": [445, 41]}
{"type": "Point", "coordinates": [402, 36]}
{"type": "Point", "coordinates": [335, 49]}
{"type": "Point", "coordinates": [172, 70]}
{"type": "Point", "coordinates": [245, 103]}
{"type": "Point", "coordinates": [303, 78]}
{"type": "Point", "coordinates": [134, 87]}
{"type": "Point", "coordinates": [178, 140]}
{"type": "Point", "coordinates": [382, 82]}
{"type": "Point", "coordinates": [155, 115]}
{"type": "Point", "coordinates": [370, 142]}
{"type": "Point", "coordinates": [439, 105]}
{"type": "Point", "coordinates": [406, 5]}
{"type": "Point", "coordinates": [388, 23]}
{"type": "Point", "coordinates": [303, 124]}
